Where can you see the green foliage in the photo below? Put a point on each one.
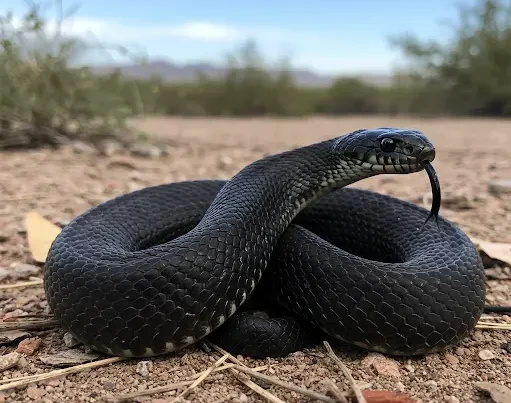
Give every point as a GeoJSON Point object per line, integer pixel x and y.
{"type": "Point", "coordinates": [471, 74]}
{"type": "Point", "coordinates": [42, 97]}
{"type": "Point", "coordinates": [43, 94]}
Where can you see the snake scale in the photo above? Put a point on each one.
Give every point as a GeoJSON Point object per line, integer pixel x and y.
{"type": "Point", "coordinates": [269, 261]}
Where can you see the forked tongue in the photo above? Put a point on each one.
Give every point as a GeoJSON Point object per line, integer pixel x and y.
{"type": "Point", "coordinates": [435, 189]}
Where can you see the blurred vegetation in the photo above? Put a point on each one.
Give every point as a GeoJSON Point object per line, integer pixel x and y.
{"type": "Point", "coordinates": [46, 98]}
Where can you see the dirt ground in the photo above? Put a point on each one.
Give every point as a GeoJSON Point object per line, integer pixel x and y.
{"type": "Point", "coordinates": [62, 184]}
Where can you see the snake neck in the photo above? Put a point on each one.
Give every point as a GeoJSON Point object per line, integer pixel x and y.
{"type": "Point", "coordinates": [272, 191]}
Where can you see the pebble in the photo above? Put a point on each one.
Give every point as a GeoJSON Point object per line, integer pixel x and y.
{"type": "Point", "coordinates": [243, 398]}
{"type": "Point", "coordinates": [499, 187]}
{"type": "Point", "coordinates": [9, 360]}
{"type": "Point", "coordinates": [486, 355]}
{"type": "Point", "coordinates": [146, 150]}
{"type": "Point", "coordinates": [80, 147]}
{"type": "Point", "coordinates": [70, 341]}
{"type": "Point", "coordinates": [400, 387]}
{"type": "Point", "coordinates": [35, 393]}
{"type": "Point", "coordinates": [382, 364]}
{"type": "Point", "coordinates": [409, 368]}
{"type": "Point", "coordinates": [144, 368]}
{"type": "Point", "coordinates": [29, 346]}
{"type": "Point", "coordinates": [452, 359]}
{"type": "Point", "coordinates": [452, 399]}
{"type": "Point", "coordinates": [431, 384]}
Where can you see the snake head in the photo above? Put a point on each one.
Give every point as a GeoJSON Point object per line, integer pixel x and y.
{"type": "Point", "coordinates": [390, 150]}
{"type": "Point", "coordinates": [386, 150]}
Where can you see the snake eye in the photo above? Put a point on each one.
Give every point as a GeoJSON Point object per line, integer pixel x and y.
{"type": "Point", "coordinates": [387, 145]}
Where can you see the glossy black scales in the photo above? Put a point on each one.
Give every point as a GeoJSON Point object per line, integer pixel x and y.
{"type": "Point", "coordinates": [156, 270]}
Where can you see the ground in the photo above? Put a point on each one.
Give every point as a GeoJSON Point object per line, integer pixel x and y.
{"type": "Point", "coordinates": [61, 184]}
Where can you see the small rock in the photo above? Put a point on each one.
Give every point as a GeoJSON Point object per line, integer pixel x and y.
{"type": "Point", "coordinates": [68, 357]}
{"type": "Point", "coordinates": [498, 393]}
{"type": "Point", "coordinates": [452, 359]}
{"type": "Point", "coordinates": [144, 368]}
{"type": "Point", "coordinates": [109, 148]}
{"type": "Point", "coordinates": [486, 355]}
{"type": "Point", "coordinates": [452, 399]}
{"type": "Point", "coordinates": [9, 360]}
{"type": "Point", "coordinates": [109, 385]}
{"type": "Point", "coordinates": [499, 187]}
{"type": "Point", "coordinates": [382, 364]}
{"type": "Point", "coordinates": [35, 393]}
{"type": "Point", "coordinates": [461, 351]}
{"type": "Point", "coordinates": [400, 387]}
{"type": "Point", "coordinates": [80, 147]}
{"type": "Point", "coordinates": [243, 398]}
{"type": "Point", "coordinates": [146, 150]}
{"type": "Point", "coordinates": [431, 384]}
{"type": "Point", "coordinates": [29, 346]}
{"type": "Point", "coordinates": [12, 336]}
{"type": "Point", "coordinates": [70, 341]}
{"type": "Point", "coordinates": [224, 162]}
{"type": "Point", "coordinates": [410, 368]}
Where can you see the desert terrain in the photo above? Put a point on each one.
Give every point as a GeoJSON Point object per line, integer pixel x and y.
{"type": "Point", "coordinates": [60, 184]}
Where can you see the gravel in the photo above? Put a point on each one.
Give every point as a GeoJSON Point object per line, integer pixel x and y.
{"type": "Point", "coordinates": [61, 184]}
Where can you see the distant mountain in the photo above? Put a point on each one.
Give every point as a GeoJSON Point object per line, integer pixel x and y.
{"type": "Point", "coordinates": [172, 72]}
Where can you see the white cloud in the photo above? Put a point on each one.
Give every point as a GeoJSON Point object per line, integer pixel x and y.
{"type": "Point", "coordinates": [118, 31]}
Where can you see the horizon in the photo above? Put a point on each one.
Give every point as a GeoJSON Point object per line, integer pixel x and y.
{"type": "Point", "coordinates": [181, 33]}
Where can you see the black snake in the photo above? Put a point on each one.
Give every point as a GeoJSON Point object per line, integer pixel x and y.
{"type": "Point", "coordinates": [158, 269]}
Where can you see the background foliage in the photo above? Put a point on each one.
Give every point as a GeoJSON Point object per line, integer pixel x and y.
{"type": "Point", "coordinates": [44, 98]}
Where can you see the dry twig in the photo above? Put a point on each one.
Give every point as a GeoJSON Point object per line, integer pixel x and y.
{"type": "Point", "coordinates": [174, 386]}
{"type": "Point", "coordinates": [336, 392]}
{"type": "Point", "coordinates": [29, 324]}
{"type": "Point", "coordinates": [356, 390]}
{"type": "Point", "coordinates": [33, 283]}
{"type": "Point", "coordinates": [244, 379]}
{"type": "Point", "coordinates": [201, 378]}
{"type": "Point", "coordinates": [25, 380]}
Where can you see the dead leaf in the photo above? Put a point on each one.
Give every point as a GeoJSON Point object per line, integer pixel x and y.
{"type": "Point", "coordinates": [495, 251]}
{"type": "Point", "coordinates": [40, 234]}
{"type": "Point", "coordinates": [498, 393]}
{"type": "Point", "coordinates": [12, 336]}
{"type": "Point", "coordinates": [385, 396]}
{"type": "Point", "coordinates": [68, 357]}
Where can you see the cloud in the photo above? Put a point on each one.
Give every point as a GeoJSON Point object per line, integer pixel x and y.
{"type": "Point", "coordinates": [119, 31]}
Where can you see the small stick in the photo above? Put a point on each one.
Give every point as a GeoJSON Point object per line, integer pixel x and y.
{"type": "Point", "coordinates": [33, 283]}
{"type": "Point", "coordinates": [173, 386]}
{"type": "Point", "coordinates": [286, 385]}
{"type": "Point", "coordinates": [30, 324]}
{"type": "Point", "coordinates": [26, 196]}
{"type": "Point", "coordinates": [196, 383]}
{"type": "Point", "coordinates": [54, 374]}
{"type": "Point", "coordinates": [336, 392]}
{"type": "Point", "coordinates": [244, 379]}
{"type": "Point", "coordinates": [356, 390]}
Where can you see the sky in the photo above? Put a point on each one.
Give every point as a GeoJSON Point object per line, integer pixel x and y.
{"type": "Point", "coordinates": [327, 36]}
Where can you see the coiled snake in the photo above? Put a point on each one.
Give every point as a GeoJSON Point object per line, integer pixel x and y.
{"type": "Point", "coordinates": [158, 269]}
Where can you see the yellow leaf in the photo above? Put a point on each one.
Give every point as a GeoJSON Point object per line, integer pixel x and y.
{"type": "Point", "coordinates": [40, 234]}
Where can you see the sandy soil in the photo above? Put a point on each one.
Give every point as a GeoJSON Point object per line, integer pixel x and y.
{"type": "Point", "coordinates": [61, 184]}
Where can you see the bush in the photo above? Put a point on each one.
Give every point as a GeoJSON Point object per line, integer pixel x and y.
{"type": "Point", "coordinates": [42, 98]}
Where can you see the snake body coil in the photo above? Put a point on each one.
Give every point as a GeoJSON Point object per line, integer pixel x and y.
{"type": "Point", "coordinates": [158, 269]}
